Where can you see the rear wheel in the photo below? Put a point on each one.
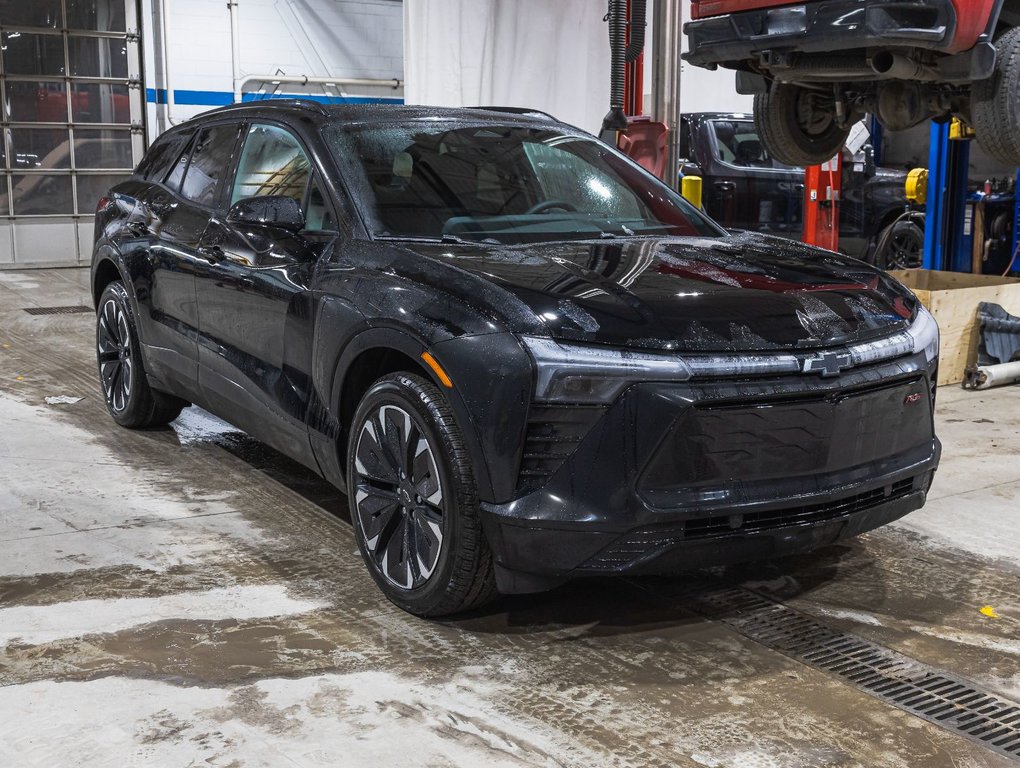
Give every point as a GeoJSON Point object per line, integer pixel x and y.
{"type": "Point", "coordinates": [413, 500]}
{"type": "Point", "coordinates": [995, 103]}
{"type": "Point", "coordinates": [129, 398]}
{"type": "Point", "coordinates": [798, 125]}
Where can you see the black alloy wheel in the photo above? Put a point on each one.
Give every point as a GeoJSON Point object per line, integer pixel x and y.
{"type": "Point", "coordinates": [114, 353]}
{"type": "Point", "coordinates": [399, 497]}
{"type": "Point", "coordinates": [901, 246]}
{"type": "Point", "coordinates": [129, 398]}
{"type": "Point", "coordinates": [413, 500]}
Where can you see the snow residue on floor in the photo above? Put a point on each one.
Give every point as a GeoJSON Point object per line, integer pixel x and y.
{"type": "Point", "coordinates": [68, 503]}
{"type": "Point", "coordinates": [839, 613]}
{"type": "Point", "coordinates": [357, 719]}
{"type": "Point", "coordinates": [38, 624]}
{"type": "Point", "coordinates": [197, 426]}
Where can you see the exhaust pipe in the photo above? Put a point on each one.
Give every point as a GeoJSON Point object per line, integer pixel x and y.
{"type": "Point", "coordinates": [615, 119]}
{"type": "Point", "coordinates": [896, 66]}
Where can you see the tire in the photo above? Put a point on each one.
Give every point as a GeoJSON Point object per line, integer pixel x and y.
{"type": "Point", "coordinates": [416, 517]}
{"type": "Point", "coordinates": [129, 398]}
{"type": "Point", "coordinates": [797, 125]}
{"type": "Point", "coordinates": [900, 246]}
{"type": "Point", "coordinates": [995, 103]}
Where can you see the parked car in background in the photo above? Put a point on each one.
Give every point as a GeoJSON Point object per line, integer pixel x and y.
{"type": "Point", "coordinates": [525, 358]}
{"type": "Point", "coordinates": [745, 187]}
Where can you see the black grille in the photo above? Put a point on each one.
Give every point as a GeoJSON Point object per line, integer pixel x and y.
{"type": "Point", "coordinates": [950, 702]}
{"type": "Point", "coordinates": [553, 434]}
{"type": "Point", "coordinates": [651, 540]}
{"type": "Point", "coordinates": [713, 443]}
{"type": "Point", "coordinates": [72, 310]}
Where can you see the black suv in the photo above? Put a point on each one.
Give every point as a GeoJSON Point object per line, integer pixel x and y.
{"type": "Point", "coordinates": [523, 357]}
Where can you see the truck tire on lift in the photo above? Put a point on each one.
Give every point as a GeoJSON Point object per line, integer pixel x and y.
{"type": "Point", "coordinates": [798, 125]}
{"type": "Point", "coordinates": [995, 102]}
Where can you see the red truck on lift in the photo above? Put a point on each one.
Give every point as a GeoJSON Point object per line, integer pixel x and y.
{"type": "Point", "coordinates": [815, 68]}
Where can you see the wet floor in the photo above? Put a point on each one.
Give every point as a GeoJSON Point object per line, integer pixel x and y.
{"type": "Point", "coordinates": [187, 596]}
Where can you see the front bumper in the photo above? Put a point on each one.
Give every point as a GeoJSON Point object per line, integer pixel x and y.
{"type": "Point", "coordinates": [824, 26]}
{"type": "Point", "coordinates": [680, 476]}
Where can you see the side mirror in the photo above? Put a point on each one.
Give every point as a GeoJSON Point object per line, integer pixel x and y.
{"type": "Point", "coordinates": [869, 160]}
{"type": "Point", "coordinates": [690, 168]}
{"type": "Point", "coordinates": [268, 211]}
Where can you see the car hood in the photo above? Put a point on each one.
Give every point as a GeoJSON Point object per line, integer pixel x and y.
{"type": "Point", "coordinates": [742, 292]}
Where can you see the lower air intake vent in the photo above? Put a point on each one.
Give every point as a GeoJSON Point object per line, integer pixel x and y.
{"type": "Point", "coordinates": [647, 541]}
{"type": "Point", "coordinates": [553, 434]}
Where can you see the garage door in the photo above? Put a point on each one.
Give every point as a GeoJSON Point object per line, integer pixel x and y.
{"type": "Point", "coordinates": [72, 122]}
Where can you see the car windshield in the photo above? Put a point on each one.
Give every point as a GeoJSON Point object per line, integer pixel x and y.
{"type": "Point", "coordinates": [506, 184]}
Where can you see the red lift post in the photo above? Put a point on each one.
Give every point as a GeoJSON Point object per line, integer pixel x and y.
{"type": "Point", "coordinates": [822, 185]}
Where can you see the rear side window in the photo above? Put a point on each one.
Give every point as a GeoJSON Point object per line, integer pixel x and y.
{"type": "Point", "coordinates": [162, 155]}
{"type": "Point", "coordinates": [210, 163]}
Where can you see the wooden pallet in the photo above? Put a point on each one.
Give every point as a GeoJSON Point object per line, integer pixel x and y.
{"type": "Point", "coordinates": [953, 298]}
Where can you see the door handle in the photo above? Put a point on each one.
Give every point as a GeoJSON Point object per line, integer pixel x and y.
{"type": "Point", "coordinates": [137, 228]}
{"type": "Point", "coordinates": [725, 186]}
{"type": "Point", "coordinates": [211, 253]}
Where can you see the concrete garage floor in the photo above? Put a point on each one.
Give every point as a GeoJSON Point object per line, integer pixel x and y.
{"type": "Point", "coordinates": [187, 596]}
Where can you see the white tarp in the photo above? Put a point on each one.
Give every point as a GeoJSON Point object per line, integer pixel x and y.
{"type": "Point", "coordinates": [551, 55]}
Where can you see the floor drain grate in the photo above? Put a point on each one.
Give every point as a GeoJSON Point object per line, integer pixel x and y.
{"type": "Point", "coordinates": [72, 310]}
{"type": "Point", "coordinates": [952, 703]}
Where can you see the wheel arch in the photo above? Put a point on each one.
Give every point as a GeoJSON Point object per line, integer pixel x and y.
{"type": "Point", "coordinates": [371, 355]}
{"type": "Point", "coordinates": [104, 272]}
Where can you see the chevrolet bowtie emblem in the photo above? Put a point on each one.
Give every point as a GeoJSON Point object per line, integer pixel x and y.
{"type": "Point", "coordinates": [828, 363]}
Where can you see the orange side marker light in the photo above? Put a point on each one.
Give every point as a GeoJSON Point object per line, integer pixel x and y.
{"type": "Point", "coordinates": [432, 363]}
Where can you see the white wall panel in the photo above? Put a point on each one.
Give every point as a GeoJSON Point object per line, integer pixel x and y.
{"type": "Point", "coordinates": [317, 38]}
{"type": "Point", "coordinates": [552, 56]}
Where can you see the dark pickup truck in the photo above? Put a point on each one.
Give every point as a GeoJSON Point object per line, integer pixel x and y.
{"type": "Point", "coordinates": [744, 188]}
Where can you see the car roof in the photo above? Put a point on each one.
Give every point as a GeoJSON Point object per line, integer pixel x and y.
{"type": "Point", "coordinates": [377, 113]}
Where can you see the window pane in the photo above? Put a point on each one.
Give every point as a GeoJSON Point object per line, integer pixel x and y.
{"type": "Point", "coordinates": [33, 13]}
{"type": "Point", "coordinates": [177, 173]}
{"type": "Point", "coordinates": [272, 163]}
{"type": "Point", "coordinates": [37, 102]}
{"type": "Point", "coordinates": [162, 155]}
{"type": "Point", "coordinates": [101, 15]}
{"type": "Point", "coordinates": [94, 103]}
{"type": "Point", "coordinates": [102, 148]}
{"type": "Point", "coordinates": [38, 194]}
{"type": "Point", "coordinates": [318, 216]}
{"type": "Point", "coordinates": [91, 188]}
{"type": "Point", "coordinates": [210, 161]}
{"type": "Point", "coordinates": [97, 56]}
{"type": "Point", "coordinates": [28, 54]}
{"type": "Point", "coordinates": [40, 148]}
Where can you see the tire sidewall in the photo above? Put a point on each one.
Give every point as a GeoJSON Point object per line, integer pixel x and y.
{"type": "Point", "coordinates": [133, 411]}
{"type": "Point", "coordinates": [415, 396]}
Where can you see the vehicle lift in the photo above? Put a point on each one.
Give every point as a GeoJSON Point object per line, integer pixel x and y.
{"type": "Point", "coordinates": [952, 218]}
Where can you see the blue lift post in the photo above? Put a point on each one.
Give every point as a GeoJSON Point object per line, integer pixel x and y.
{"type": "Point", "coordinates": [946, 209]}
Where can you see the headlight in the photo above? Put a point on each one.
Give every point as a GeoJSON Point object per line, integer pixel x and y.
{"type": "Point", "coordinates": [924, 332]}
{"type": "Point", "coordinates": [590, 374]}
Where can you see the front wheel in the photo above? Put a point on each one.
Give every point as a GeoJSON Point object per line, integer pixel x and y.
{"type": "Point", "coordinates": [129, 398]}
{"type": "Point", "coordinates": [798, 125]}
{"type": "Point", "coordinates": [413, 500]}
